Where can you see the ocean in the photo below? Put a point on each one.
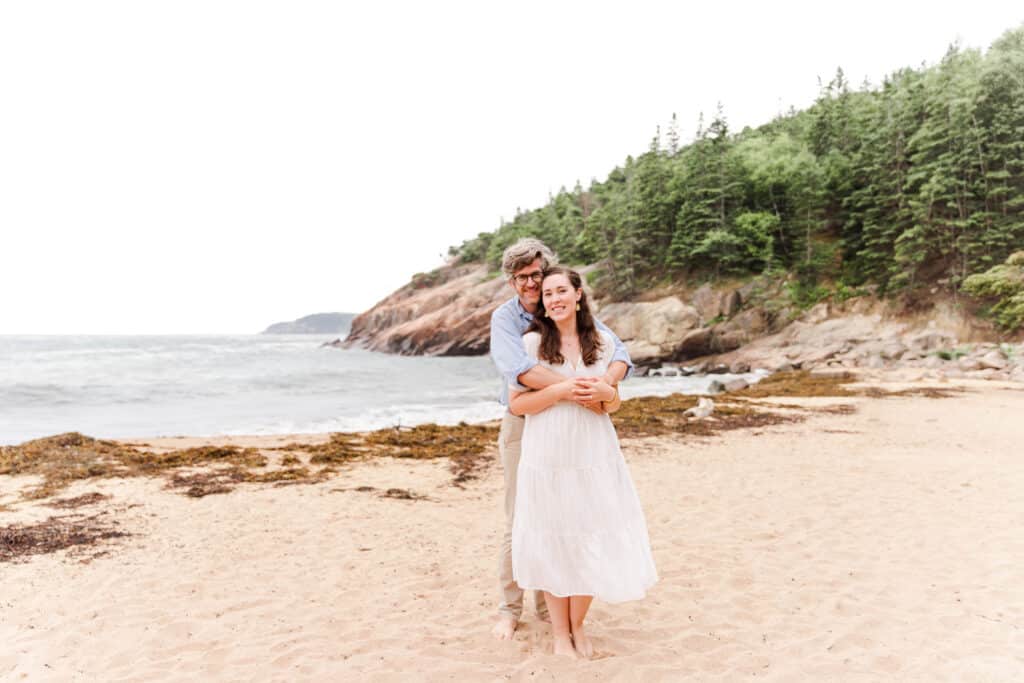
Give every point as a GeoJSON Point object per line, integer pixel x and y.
{"type": "Point", "coordinates": [202, 385]}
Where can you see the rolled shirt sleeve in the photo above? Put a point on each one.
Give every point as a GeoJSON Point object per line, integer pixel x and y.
{"type": "Point", "coordinates": [507, 350]}
{"type": "Point", "coordinates": [620, 349]}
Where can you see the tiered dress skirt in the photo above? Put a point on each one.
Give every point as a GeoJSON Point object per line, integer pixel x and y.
{"type": "Point", "coordinates": [578, 527]}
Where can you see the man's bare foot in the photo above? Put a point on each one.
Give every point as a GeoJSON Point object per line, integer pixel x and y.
{"type": "Point", "coordinates": [583, 645]}
{"type": "Point", "coordinates": [563, 646]}
{"type": "Point", "coordinates": [505, 628]}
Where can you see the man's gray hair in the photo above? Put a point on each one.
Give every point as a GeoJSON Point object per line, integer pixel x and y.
{"type": "Point", "coordinates": [523, 253]}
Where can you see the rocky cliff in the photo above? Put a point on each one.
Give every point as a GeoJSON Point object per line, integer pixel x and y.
{"type": "Point", "coordinates": [444, 313]}
{"type": "Point", "coordinates": [738, 325]}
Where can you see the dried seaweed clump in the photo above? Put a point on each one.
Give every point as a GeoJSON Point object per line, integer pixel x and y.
{"type": "Point", "coordinates": [200, 484]}
{"type": "Point", "coordinates": [145, 462]}
{"type": "Point", "coordinates": [65, 458]}
{"type": "Point", "coordinates": [800, 383]}
{"type": "Point", "coordinates": [915, 392]}
{"type": "Point", "coordinates": [339, 448]}
{"type": "Point", "coordinates": [467, 446]}
{"type": "Point", "coordinates": [78, 501]}
{"type": "Point", "coordinates": [400, 494]}
{"type": "Point", "coordinates": [62, 459]}
{"type": "Point", "coordinates": [286, 475]}
{"type": "Point", "coordinates": [224, 479]}
{"type": "Point", "coordinates": [19, 541]}
{"type": "Point", "coordinates": [803, 383]}
{"type": "Point", "coordinates": [403, 494]}
{"type": "Point", "coordinates": [661, 415]}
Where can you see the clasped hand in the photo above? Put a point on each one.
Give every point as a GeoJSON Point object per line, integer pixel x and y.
{"type": "Point", "coordinates": [589, 392]}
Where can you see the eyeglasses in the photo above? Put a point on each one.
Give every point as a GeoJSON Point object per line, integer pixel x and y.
{"type": "Point", "coordinates": [522, 279]}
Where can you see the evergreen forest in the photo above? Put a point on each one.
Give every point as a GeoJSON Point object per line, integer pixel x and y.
{"type": "Point", "coordinates": [918, 182]}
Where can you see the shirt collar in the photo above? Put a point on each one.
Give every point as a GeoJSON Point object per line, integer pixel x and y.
{"type": "Point", "coordinates": [523, 313]}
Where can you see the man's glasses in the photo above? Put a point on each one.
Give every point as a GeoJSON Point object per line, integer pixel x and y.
{"type": "Point", "coordinates": [521, 280]}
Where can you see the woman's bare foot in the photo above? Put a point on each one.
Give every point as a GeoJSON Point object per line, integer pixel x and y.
{"type": "Point", "coordinates": [505, 628]}
{"type": "Point", "coordinates": [583, 645]}
{"type": "Point", "coordinates": [563, 646]}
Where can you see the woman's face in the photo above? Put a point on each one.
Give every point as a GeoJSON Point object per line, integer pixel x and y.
{"type": "Point", "coordinates": [559, 297]}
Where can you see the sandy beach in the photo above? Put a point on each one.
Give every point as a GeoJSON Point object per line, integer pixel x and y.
{"type": "Point", "coordinates": [878, 542]}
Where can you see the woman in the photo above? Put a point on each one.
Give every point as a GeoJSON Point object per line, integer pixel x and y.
{"type": "Point", "coordinates": [579, 531]}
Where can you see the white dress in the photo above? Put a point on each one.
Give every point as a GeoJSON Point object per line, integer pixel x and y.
{"type": "Point", "coordinates": [578, 527]}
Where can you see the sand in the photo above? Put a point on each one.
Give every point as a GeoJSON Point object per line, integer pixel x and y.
{"type": "Point", "coordinates": [887, 544]}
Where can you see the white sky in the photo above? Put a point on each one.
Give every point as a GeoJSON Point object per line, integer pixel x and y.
{"type": "Point", "coordinates": [185, 167]}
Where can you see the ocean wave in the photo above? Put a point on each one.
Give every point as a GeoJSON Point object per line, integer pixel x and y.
{"type": "Point", "coordinates": [379, 418]}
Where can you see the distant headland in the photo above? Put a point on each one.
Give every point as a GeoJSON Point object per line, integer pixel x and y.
{"type": "Point", "coordinates": [318, 323]}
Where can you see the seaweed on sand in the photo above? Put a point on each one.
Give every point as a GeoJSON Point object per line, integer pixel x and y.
{"type": "Point", "coordinates": [62, 459]}
{"type": "Point", "coordinates": [78, 501]}
{"type": "Point", "coordinates": [18, 541]}
{"type": "Point", "coordinates": [800, 383]}
{"type": "Point", "coordinates": [915, 392]}
{"type": "Point", "coordinates": [403, 494]}
{"type": "Point", "coordinates": [662, 415]}
{"type": "Point", "coordinates": [804, 383]}
{"type": "Point", "coordinates": [223, 479]}
{"type": "Point", "coordinates": [467, 446]}
{"type": "Point", "coordinates": [340, 448]}
{"type": "Point", "coordinates": [208, 482]}
{"type": "Point", "coordinates": [66, 458]}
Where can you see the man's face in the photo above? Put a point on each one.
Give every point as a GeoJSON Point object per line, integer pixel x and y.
{"type": "Point", "coordinates": [526, 283]}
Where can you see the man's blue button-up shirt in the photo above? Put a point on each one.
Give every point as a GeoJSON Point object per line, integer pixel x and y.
{"type": "Point", "coordinates": [509, 323]}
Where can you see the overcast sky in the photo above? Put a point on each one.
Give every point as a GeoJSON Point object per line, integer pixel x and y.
{"type": "Point", "coordinates": [187, 167]}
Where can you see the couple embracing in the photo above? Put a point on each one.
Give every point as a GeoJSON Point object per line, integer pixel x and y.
{"type": "Point", "coordinates": [574, 528]}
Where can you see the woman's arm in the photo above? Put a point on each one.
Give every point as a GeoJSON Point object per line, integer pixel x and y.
{"type": "Point", "coordinates": [614, 404]}
{"type": "Point", "coordinates": [533, 402]}
{"type": "Point", "coordinates": [616, 372]}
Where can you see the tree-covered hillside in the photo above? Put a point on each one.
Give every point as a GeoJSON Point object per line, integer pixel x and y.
{"type": "Point", "coordinates": [918, 181]}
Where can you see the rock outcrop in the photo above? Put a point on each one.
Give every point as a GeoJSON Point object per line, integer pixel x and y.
{"type": "Point", "coordinates": [447, 316]}
{"type": "Point", "coordinates": [651, 330]}
{"type": "Point", "coordinates": [838, 340]}
{"type": "Point", "coordinates": [730, 329]}
{"type": "Point", "coordinates": [450, 315]}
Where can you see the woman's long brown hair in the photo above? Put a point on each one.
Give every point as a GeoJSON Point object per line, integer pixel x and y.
{"type": "Point", "coordinates": [551, 340]}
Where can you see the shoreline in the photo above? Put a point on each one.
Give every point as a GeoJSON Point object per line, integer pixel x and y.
{"type": "Point", "coordinates": [223, 460]}
{"type": "Point", "coordinates": [875, 540]}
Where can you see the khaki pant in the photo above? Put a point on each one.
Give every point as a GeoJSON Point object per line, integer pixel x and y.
{"type": "Point", "coordinates": [510, 442]}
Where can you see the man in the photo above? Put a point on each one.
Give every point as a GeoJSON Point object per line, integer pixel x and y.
{"type": "Point", "coordinates": [523, 263]}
